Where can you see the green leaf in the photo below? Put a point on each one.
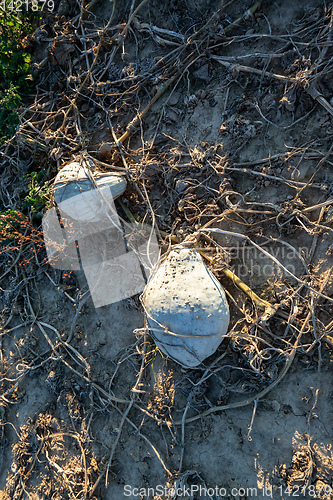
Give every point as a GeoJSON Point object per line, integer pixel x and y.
{"type": "Point", "coordinates": [15, 76]}
{"type": "Point", "coordinates": [27, 57]}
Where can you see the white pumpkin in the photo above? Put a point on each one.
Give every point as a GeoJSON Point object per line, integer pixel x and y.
{"type": "Point", "coordinates": [77, 196]}
{"type": "Point", "coordinates": [186, 308]}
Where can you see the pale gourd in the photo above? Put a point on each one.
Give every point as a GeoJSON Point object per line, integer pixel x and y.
{"type": "Point", "coordinates": [82, 199]}
{"type": "Point", "coordinates": [186, 308]}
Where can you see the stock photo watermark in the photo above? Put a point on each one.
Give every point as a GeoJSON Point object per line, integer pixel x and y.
{"type": "Point", "coordinates": [267, 261]}
{"type": "Point", "coordinates": [218, 492]}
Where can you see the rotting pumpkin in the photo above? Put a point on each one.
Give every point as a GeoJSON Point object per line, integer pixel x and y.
{"type": "Point", "coordinates": [186, 308]}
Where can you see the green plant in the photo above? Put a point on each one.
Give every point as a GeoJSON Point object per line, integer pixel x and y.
{"type": "Point", "coordinates": [8, 114]}
{"type": "Point", "coordinates": [10, 223]}
{"type": "Point", "coordinates": [17, 235]}
{"type": "Point", "coordinates": [38, 196]}
{"type": "Point", "coordinates": [15, 77]}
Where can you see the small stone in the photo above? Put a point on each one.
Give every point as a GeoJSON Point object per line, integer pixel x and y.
{"type": "Point", "coordinates": [63, 9]}
{"type": "Point", "coordinates": [106, 149]}
{"type": "Point", "coordinates": [276, 405]}
{"type": "Point", "coordinates": [266, 183]}
{"type": "Point", "coordinates": [249, 32]}
{"type": "Point", "coordinates": [172, 116]}
{"type": "Point", "coordinates": [201, 94]}
{"type": "Point", "coordinates": [203, 73]}
{"type": "Point", "coordinates": [174, 98]}
{"type": "Point", "coordinates": [150, 170]}
{"type": "Point", "coordinates": [181, 186]}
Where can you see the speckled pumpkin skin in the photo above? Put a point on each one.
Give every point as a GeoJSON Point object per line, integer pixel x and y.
{"type": "Point", "coordinates": [186, 307]}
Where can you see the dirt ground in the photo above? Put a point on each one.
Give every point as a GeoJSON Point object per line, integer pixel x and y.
{"type": "Point", "coordinates": [239, 140]}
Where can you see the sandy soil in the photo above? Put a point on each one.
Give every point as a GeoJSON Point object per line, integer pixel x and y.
{"type": "Point", "coordinates": [70, 425]}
